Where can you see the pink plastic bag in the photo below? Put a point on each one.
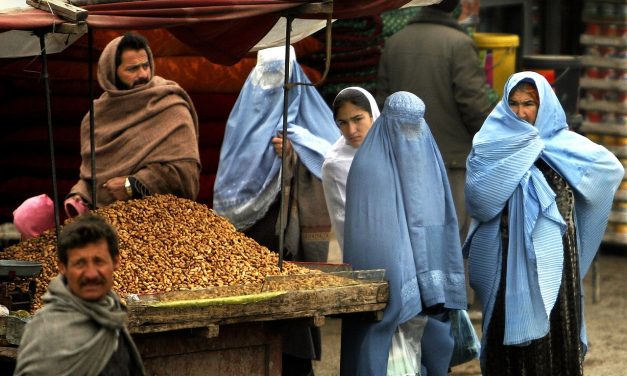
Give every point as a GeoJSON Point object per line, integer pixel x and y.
{"type": "Point", "coordinates": [34, 216]}
{"type": "Point", "coordinates": [75, 207]}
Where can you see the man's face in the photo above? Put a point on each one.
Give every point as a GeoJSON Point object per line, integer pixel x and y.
{"type": "Point", "coordinates": [89, 270]}
{"type": "Point", "coordinates": [134, 68]}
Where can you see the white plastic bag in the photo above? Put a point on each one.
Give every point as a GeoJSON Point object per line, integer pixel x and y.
{"type": "Point", "coordinates": [404, 355]}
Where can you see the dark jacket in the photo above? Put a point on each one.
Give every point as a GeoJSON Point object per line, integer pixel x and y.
{"type": "Point", "coordinates": [436, 60]}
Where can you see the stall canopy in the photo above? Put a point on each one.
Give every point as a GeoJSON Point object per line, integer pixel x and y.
{"type": "Point", "coordinates": [223, 31]}
{"type": "Point", "coordinates": [201, 44]}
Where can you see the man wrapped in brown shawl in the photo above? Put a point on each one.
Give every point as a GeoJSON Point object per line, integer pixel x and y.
{"type": "Point", "coordinates": [148, 133]}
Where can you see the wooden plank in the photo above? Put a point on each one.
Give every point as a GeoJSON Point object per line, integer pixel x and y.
{"type": "Point", "coordinates": [212, 329]}
{"type": "Point", "coordinates": [323, 7]}
{"type": "Point", "coordinates": [318, 321]}
{"type": "Point", "coordinates": [71, 28]}
{"type": "Point", "coordinates": [60, 8]}
{"type": "Point", "coordinates": [326, 301]}
{"type": "Point", "coordinates": [293, 304]}
{"type": "Point", "coordinates": [80, 3]}
{"type": "Point", "coordinates": [8, 352]}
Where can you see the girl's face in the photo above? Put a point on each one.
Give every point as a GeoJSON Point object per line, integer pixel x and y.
{"type": "Point", "coordinates": [354, 123]}
{"type": "Point", "coordinates": [524, 106]}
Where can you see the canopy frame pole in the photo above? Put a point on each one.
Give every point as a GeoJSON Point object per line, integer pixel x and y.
{"type": "Point", "coordinates": [92, 134]}
{"type": "Point", "coordinates": [284, 165]}
{"type": "Point", "coordinates": [327, 62]}
{"type": "Point", "coordinates": [327, 7]}
{"type": "Point", "coordinates": [46, 79]}
{"type": "Point", "coordinates": [328, 41]}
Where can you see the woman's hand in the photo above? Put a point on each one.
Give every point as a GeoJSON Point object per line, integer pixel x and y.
{"type": "Point", "coordinates": [277, 142]}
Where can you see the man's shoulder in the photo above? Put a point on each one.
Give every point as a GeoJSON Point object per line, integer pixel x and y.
{"type": "Point", "coordinates": [46, 321]}
{"type": "Point", "coordinates": [164, 82]}
{"type": "Point", "coordinates": [438, 34]}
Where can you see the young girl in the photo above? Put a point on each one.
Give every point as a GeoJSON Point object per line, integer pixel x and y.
{"type": "Point", "coordinates": [354, 111]}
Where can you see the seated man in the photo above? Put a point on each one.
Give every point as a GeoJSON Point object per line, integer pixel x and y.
{"type": "Point", "coordinates": [146, 132]}
{"type": "Point", "coordinates": [81, 330]}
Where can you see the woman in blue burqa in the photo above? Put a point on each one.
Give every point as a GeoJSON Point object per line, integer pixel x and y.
{"type": "Point", "coordinates": [540, 196]}
{"type": "Point", "coordinates": [400, 217]}
{"type": "Point", "coordinates": [247, 187]}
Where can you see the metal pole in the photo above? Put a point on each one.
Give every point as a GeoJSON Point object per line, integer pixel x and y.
{"type": "Point", "coordinates": [92, 136]}
{"type": "Point", "coordinates": [282, 215]}
{"type": "Point", "coordinates": [46, 79]}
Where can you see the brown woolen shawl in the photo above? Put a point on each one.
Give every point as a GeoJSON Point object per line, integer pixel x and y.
{"type": "Point", "coordinates": [150, 132]}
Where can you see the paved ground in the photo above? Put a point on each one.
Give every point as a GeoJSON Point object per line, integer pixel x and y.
{"type": "Point", "coordinates": [606, 322]}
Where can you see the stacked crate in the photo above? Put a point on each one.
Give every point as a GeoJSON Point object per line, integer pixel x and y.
{"type": "Point", "coordinates": [604, 93]}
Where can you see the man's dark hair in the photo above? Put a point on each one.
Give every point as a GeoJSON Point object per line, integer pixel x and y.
{"type": "Point", "coordinates": [445, 5]}
{"type": "Point", "coordinates": [130, 41]}
{"type": "Point", "coordinates": [86, 229]}
{"type": "Point", "coordinates": [353, 96]}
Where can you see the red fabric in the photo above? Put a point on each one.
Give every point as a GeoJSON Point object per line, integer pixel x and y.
{"type": "Point", "coordinates": [210, 159]}
{"type": "Point", "coordinates": [205, 195]}
{"type": "Point", "coordinates": [16, 190]}
{"type": "Point", "coordinates": [38, 165]}
{"type": "Point", "coordinates": [36, 137]}
{"type": "Point", "coordinates": [224, 31]}
{"type": "Point", "coordinates": [307, 46]}
{"type": "Point", "coordinates": [211, 135]}
{"type": "Point", "coordinates": [28, 20]}
{"type": "Point", "coordinates": [213, 106]}
{"type": "Point", "coordinates": [33, 106]}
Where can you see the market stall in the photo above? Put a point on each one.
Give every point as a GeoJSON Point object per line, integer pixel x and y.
{"type": "Point", "coordinates": [190, 330]}
{"type": "Point", "coordinates": [196, 297]}
{"type": "Point", "coordinates": [193, 333]}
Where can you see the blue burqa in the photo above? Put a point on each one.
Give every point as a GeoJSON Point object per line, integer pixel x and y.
{"type": "Point", "coordinates": [501, 171]}
{"type": "Point", "coordinates": [400, 217]}
{"type": "Point", "coordinates": [247, 181]}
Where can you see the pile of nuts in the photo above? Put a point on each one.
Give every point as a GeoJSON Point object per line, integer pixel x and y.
{"type": "Point", "coordinates": [167, 244]}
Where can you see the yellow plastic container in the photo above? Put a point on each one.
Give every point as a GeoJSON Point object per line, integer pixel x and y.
{"type": "Point", "coordinates": [498, 55]}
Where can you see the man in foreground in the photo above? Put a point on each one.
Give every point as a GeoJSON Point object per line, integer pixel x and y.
{"type": "Point", "coordinates": [80, 330]}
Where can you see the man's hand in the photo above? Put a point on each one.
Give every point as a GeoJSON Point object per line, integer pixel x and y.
{"type": "Point", "coordinates": [277, 142]}
{"type": "Point", "coordinates": [116, 188]}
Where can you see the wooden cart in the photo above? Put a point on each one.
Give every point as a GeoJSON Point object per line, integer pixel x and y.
{"type": "Point", "coordinates": [196, 333]}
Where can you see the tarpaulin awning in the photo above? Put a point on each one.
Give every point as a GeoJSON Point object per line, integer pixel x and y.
{"type": "Point", "coordinates": [222, 30]}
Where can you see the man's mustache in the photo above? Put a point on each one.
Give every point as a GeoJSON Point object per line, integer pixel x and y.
{"type": "Point", "coordinates": [141, 81]}
{"type": "Point", "coordinates": [92, 282]}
